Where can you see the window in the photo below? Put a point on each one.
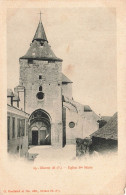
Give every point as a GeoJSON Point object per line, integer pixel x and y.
{"type": "Point", "coordinates": [40, 76]}
{"type": "Point", "coordinates": [27, 127]}
{"type": "Point", "coordinates": [18, 127]}
{"type": "Point", "coordinates": [71, 124]}
{"type": "Point", "coordinates": [30, 61]}
{"type": "Point", "coordinates": [18, 148]}
{"type": "Point", "coordinates": [40, 88]}
{"type": "Point", "coordinates": [41, 43]}
{"type": "Point", "coordinates": [22, 127]}
{"type": "Point", "coordinates": [13, 127]}
{"type": "Point", "coordinates": [40, 95]}
{"type": "Point", "coordinates": [8, 127]}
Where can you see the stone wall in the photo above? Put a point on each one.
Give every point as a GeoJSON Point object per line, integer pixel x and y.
{"type": "Point", "coordinates": [73, 124]}
{"type": "Point", "coordinates": [51, 83]}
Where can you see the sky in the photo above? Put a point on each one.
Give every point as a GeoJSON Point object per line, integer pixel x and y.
{"type": "Point", "coordinates": [85, 38]}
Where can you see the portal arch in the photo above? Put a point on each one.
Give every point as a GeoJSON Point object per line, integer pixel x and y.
{"type": "Point", "coordinates": [40, 128]}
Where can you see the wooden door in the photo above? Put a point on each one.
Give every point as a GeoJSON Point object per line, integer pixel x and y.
{"type": "Point", "coordinates": [35, 137]}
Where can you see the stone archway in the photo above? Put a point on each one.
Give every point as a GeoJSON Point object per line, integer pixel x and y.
{"type": "Point", "coordinates": [40, 128]}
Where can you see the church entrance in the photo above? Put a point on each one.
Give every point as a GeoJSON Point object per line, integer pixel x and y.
{"type": "Point", "coordinates": [34, 137]}
{"type": "Point", "coordinates": [40, 128]}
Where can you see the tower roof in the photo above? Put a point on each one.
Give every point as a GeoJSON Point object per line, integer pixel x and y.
{"type": "Point", "coordinates": [40, 33]}
{"type": "Point", "coordinates": [39, 48]}
{"type": "Point", "coordinates": [38, 52]}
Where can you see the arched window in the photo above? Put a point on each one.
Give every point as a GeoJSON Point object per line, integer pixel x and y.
{"type": "Point", "coordinates": [40, 88]}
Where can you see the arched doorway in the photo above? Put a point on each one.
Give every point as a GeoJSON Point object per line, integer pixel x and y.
{"type": "Point", "coordinates": [40, 128]}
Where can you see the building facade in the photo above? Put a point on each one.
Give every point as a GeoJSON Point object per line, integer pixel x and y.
{"type": "Point", "coordinates": [17, 128]}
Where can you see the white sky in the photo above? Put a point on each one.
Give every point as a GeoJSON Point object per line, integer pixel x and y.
{"type": "Point", "coordinates": [85, 38]}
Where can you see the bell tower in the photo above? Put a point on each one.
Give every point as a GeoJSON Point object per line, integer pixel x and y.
{"type": "Point", "coordinates": [41, 77]}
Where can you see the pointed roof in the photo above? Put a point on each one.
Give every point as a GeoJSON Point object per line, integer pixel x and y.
{"type": "Point", "coordinates": [39, 48]}
{"type": "Point", "coordinates": [40, 33]}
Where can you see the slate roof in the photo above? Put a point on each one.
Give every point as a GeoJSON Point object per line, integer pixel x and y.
{"type": "Point", "coordinates": [38, 52]}
{"type": "Point", "coordinates": [108, 131]}
{"type": "Point", "coordinates": [40, 33]}
{"type": "Point", "coordinates": [65, 79]}
{"type": "Point", "coordinates": [39, 48]}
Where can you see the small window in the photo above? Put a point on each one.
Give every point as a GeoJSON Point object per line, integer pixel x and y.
{"type": "Point", "coordinates": [71, 124]}
{"type": "Point", "coordinates": [41, 43]}
{"type": "Point", "coordinates": [27, 127]}
{"type": "Point", "coordinates": [40, 88]}
{"type": "Point", "coordinates": [18, 127]}
{"type": "Point", "coordinates": [40, 76]}
{"type": "Point", "coordinates": [22, 128]}
{"type": "Point", "coordinates": [13, 127]}
{"type": "Point", "coordinates": [40, 95]}
{"type": "Point", "coordinates": [30, 61]}
{"type": "Point", "coordinates": [17, 148]}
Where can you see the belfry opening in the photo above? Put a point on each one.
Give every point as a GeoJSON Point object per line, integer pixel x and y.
{"type": "Point", "coordinates": [40, 128]}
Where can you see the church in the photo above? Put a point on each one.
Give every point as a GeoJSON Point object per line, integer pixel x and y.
{"type": "Point", "coordinates": [45, 94]}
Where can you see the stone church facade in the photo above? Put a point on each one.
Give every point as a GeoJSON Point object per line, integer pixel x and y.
{"type": "Point", "coordinates": [45, 93]}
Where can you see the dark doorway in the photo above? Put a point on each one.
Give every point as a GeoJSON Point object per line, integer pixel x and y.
{"type": "Point", "coordinates": [35, 137]}
{"type": "Point", "coordinates": [42, 137]}
{"type": "Point", "coordinates": [40, 128]}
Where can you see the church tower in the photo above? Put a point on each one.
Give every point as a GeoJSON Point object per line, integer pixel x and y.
{"type": "Point", "coordinates": [41, 78]}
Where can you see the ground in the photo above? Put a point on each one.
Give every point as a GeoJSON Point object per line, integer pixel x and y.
{"type": "Point", "coordinates": [47, 153]}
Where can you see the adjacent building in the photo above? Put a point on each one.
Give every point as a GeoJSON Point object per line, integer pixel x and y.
{"type": "Point", "coordinates": [17, 127]}
{"type": "Point", "coordinates": [103, 140]}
